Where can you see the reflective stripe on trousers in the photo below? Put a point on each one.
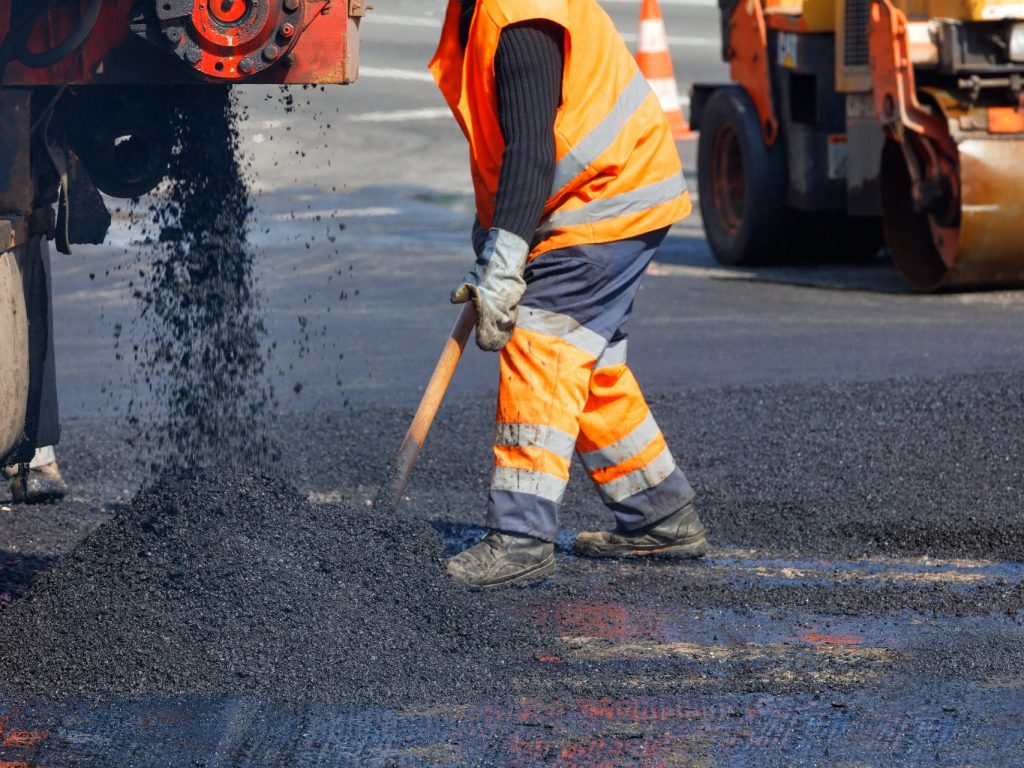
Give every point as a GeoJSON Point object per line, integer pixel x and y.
{"type": "Point", "coordinates": [565, 387]}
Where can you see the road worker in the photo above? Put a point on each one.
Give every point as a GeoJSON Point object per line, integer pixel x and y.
{"type": "Point", "coordinates": [41, 480]}
{"type": "Point", "coordinates": [577, 180]}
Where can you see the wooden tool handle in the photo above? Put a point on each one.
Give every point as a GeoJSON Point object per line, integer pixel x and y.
{"type": "Point", "coordinates": [391, 491]}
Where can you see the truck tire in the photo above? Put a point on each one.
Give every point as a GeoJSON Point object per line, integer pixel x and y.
{"type": "Point", "coordinates": [14, 367]}
{"type": "Point", "coordinates": [742, 183]}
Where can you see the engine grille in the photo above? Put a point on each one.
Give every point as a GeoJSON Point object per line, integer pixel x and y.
{"type": "Point", "coordinates": [855, 33]}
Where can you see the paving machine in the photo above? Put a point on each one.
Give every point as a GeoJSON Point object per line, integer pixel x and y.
{"type": "Point", "coordinates": [850, 123]}
{"type": "Point", "coordinates": [81, 114]}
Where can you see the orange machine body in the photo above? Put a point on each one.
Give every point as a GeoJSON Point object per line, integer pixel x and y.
{"type": "Point", "coordinates": [853, 124]}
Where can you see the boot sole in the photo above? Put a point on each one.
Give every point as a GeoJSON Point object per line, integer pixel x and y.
{"type": "Point", "coordinates": [684, 550]}
{"type": "Point", "coordinates": [39, 496]}
{"type": "Point", "coordinates": [538, 572]}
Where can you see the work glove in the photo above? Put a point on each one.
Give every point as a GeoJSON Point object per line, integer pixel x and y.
{"type": "Point", "coordinates": [495, 284]}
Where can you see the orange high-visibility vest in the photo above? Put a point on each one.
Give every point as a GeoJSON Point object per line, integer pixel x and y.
{"type": "Point", "coordinates": [618, 173]}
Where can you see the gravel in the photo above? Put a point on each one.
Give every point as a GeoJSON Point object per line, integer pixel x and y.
{"type": "Point", "coordinates": [227, 582]}
{"type": "Point", "coordinates": [904, 467]}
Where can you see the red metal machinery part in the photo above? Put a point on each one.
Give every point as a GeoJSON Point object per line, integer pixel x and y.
{"type": "Point", "coordinates": [727, 179]}
{"type": "Point", "coordinates": [113, 134]}
{"type": "Point", "coordinates": [261, 41]}
{"type": "Point", "coordinates": [748, 62]}
{"type": "Point", "coordinates": [228, 39]}
{"type": "Point", "coordinates": [923, 137]}
{"type": "Point", "coordinates": [953, 208]}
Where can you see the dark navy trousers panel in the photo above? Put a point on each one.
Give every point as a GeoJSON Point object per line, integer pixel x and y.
{"type": "Point", "coordinates": [653, 504]}
{"type": "Point", "coordinates": [523, 513]}
{"type": "Point", "coordinates": [42, 422]}
{"type": "Point", "coordinates": [594, 284]}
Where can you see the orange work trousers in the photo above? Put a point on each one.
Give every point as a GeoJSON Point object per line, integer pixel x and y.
{"type": "Point", "coordinates": [565, 387]}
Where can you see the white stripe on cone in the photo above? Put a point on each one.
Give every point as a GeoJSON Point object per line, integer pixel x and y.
{"type": "Point", "coordinates": [667, 92]}
{"type": "Point", "coordinates": [652, 44]}
{"type": "Point", "coordinates": [652, 37]}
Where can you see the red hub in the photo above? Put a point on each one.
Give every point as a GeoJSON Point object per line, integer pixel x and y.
{"type": "Point", "coordinates": [728, 182]}
{"type": "Point", "coordinates": [230, 39]}
{"type": "Point", "coordinates": [229, 11]}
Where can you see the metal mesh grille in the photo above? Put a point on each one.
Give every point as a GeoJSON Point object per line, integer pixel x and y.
{"type": "Point", "coordinates": [855, 43]}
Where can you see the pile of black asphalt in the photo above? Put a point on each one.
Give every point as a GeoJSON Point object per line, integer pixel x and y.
{"type": "Point", "coordinates": [228, 582]}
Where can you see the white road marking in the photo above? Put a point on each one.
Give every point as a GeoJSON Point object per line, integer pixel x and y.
{"type": "Point", "coordinates": [337, 213]}
{"type": "Point", "coordinates": [683, 3]}
{"type": "Point", "coordinates": [701, 42]}
{"type": "Point", "coordinates": [390, 73]}
{"type": "Point", "coordinates": [403, 21]}
{"type": "Point", "coordinates": [401, 115]}
{"type": "Point", "coordinates": [659, 269]}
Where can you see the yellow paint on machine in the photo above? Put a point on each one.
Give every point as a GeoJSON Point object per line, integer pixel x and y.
{"type": "Point", "coordinates": [822, 15]}
{"type": "Point", "coordinates": [964, 10]}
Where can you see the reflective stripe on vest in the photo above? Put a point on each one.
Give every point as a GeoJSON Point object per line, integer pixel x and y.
{"type": "Point", "coordinates": [638, 200]}
{"type": "Point", "coordinates": [584, 154]}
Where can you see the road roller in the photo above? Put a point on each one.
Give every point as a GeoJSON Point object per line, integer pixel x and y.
{"type": "Point", "coordinates": [84, 108]}
{"type": "Point", "coordinates": [849, 125]}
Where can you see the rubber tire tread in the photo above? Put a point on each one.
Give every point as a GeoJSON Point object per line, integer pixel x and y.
{"type": "Point", "coordinates": [762, 236]}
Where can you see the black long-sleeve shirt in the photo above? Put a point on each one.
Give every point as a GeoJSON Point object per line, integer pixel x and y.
{"type": "Point", "coordinates": [528, 77]}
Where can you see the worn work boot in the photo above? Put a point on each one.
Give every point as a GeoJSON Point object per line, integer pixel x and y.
{"type": "Point", "coordinates": [680, 535]}
{"type": "Point", "coordinates": [502, 559]}
{"type": "Point", "coordinates": [38, 485]}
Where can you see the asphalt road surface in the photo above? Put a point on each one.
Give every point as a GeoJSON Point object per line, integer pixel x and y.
{"type": "Point", "coordinates": [855, 447]}
{"type": "Point", "coordinates": [384, 158]}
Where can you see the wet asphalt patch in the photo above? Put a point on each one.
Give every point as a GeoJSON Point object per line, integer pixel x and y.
{"type": "Point", "coordinates": [625, 681]}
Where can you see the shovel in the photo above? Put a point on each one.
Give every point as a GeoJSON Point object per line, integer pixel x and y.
{"type": "Point", "coordinates": [397, 478]}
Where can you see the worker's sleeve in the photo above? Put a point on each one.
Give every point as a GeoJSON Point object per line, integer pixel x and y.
{"type": "Point", "coordinates": [528, 75]}
{"type": "Point", "coordinates": [479, 236]}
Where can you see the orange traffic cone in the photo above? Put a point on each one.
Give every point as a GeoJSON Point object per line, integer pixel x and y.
{"type": "Point", "coordinates": [656, 65]}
